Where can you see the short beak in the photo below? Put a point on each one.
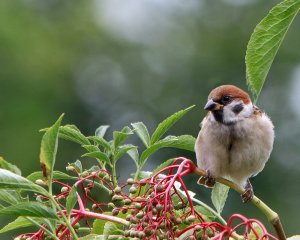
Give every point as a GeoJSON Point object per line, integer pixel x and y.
{"type": "Point", "coordinates": [211, 105]}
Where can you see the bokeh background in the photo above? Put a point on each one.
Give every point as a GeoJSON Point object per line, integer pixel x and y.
{"type": "Point", "coordinates": [116, 62]}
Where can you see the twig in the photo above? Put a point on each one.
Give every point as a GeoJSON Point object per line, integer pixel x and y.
{"type": "Point", "coordinates": [272, 216]}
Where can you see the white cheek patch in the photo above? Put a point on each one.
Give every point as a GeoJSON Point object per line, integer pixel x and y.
{"type": "Point", "coordinates": [247, 111]}
{"type": "Point", "coordinates": [235, 111]}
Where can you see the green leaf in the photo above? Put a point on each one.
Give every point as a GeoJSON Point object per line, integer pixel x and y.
{"type": "Point", "coordinates": [134, 154]}
{"type": "Point", "coordinates": [77, 165]}
{"type": "Point", "coordinates": [144, 175]}
{"type": "Point", "coordinates": [49, 149]}
{"type": "Point", "coordinates": [100, 141]}
{"type": "Point", "coordinates": [121, 136]}
{"type": "Point", "coordinates": [258, 231]}
{"type": "Point", "coordinates": [20, 222]}
{"type": "Point", "coordinates": [210, 216]}
{"type": "Point", "coordinates": [122, 150]}
{"type": "Point", "coordinates": [91, 148]}
{"type": "Point", "coordinates": [166, 142]}
{"type": "Point", "coordinates": [94, 168]}
{"type": "Point", "coordinates": [8, 166]}
{"type": "Point", "coordinates": [98, 224]}
{"type": "Point", "coordinates": [219, 195]}
{"type": "Point", "coordinates": [165, 125]}
{"type": "Point", "coordinates": [29, 209]}
{"type": "Point", "coordinates": [142, 131]}
{"type": "Point", "coordinates": [71, 200]}
{"type": "Point", "coordinates": [186, 142]}
{"type": "Point", "coordinates": [72, 133]}
{"type": "Point", "coordinates": [9, 180]}
{"type": "Point", "coordinates": [265, 42]}
{"type": "Point", "coordinates": [10, 196]}
{"type": "Point", "coordinates": [110, 229]}
{"type": "Point", "coordinates": [57, 175]}
{"type": "Point", "coordinates": [98, 155]}
{"type": "Point", "coordinates": [92, 237]}
{"type": "Point", "coordinates": [100, 131]}
{"type": "Point", "coordinates": [163, 165]}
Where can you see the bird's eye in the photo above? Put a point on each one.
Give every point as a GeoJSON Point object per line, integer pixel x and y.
{"type": "Point", "coordinates": [226, 99]}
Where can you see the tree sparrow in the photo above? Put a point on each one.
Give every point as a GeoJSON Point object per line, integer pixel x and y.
{"type": "Point", "coordinates": [235, 140]}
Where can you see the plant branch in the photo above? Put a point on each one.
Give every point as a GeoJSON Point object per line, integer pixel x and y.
{"type": "Point", "coordinates": [42, 227]}
{"type": "Point", "coordinates": [66, 220]}
{"type": "Point", "coordinates": [272, 216]}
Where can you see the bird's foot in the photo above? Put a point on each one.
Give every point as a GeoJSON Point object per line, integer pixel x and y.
{"type": "Point", "coordinates": [208, 180]}
{"type": "Point", "coordinates": [248, 194]}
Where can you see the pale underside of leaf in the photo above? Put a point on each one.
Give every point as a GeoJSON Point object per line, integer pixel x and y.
{"type": "Point", "coordinates": [219, 196]}
{"type": "Point", "coordinates": [142, 131]}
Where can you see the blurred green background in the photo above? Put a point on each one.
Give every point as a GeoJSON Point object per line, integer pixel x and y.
{"type": "Point", "coordinates": [116, 62]}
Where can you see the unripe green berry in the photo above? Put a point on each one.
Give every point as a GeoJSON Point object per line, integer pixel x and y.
{"type": "Point", "coordinates": [162, 225]}
{"type": "Point", "coordinates": [40, 182]}
{"type": "Point", "coordinates": [115, 212]}
{"type": "Point", "coordinates": [154, 211]}
{"type": "Point", "coordinates": [102, 174]}
{"type": "Point", "coordinates": [77, 225]}
{"type": "Point", "coordinates": [178, 220]}
{"type": "Point", "coordinates": [134, 211]}
{"type": "Point", "coordinates": [117, 190]}
{"type": "Point", "coordinates": [137, 206]}
{"type": "Point", "coordinates": [132, 233]}
{"type": "Point", "coordinates": [117, 198]}
{"type": "Point", "coordinates": [119, 203]}
{"type": "Point", "coordinates": [128, 217]}
{"type": "Point", "coordinates": [133, 190]}
{"type": "Point", "coordinates": [64, 189]}
{"type": "Point", "coordinates": [180, 205]}
{"type": "Point", "coordinates": [148, 231]}
{"type": "Point", "coordinates": [70, 168]}
{"type": "Point", "coordinates": [189, 220]}
{"type": "Point", "coordinates": [197, 228]}
{"type": "Point", "coordinates": [84, 174]}
{"type": "Point", "coordinates": [160, 188]}
{"type": "Point", "coordinates": [134, 220]}
{"type": "Point", "coordinates": [127, 201]}
{"type": "Point", "coordinates": [130, 181]}
{"type": "Point", "coordinates": [140, 215]}
{"type": "Point", "coordinates": [141, 235]}
{"type": "Point", "coordinates": [159, 207]}
{"type": "Point", "coordinates": [124, 210]}
{"type": "Point", "coordinates": [126, 233]}
{"type": "Point", "coordinates": [111, 205]}
{"type": "Point", "coordinates": [145, 224]}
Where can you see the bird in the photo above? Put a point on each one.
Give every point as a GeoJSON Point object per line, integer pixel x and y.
{"type": "Point", "coordinates": [235, 140]}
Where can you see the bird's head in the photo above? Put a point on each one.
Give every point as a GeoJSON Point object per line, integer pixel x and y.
{"type": "Point", "coordinates": [229, 104]}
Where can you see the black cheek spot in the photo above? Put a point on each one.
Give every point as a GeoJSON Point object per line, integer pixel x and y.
{"type": "Point", "coordinates": [218, 115]}
{"type": "Point", "coordinates": [237, 108]}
